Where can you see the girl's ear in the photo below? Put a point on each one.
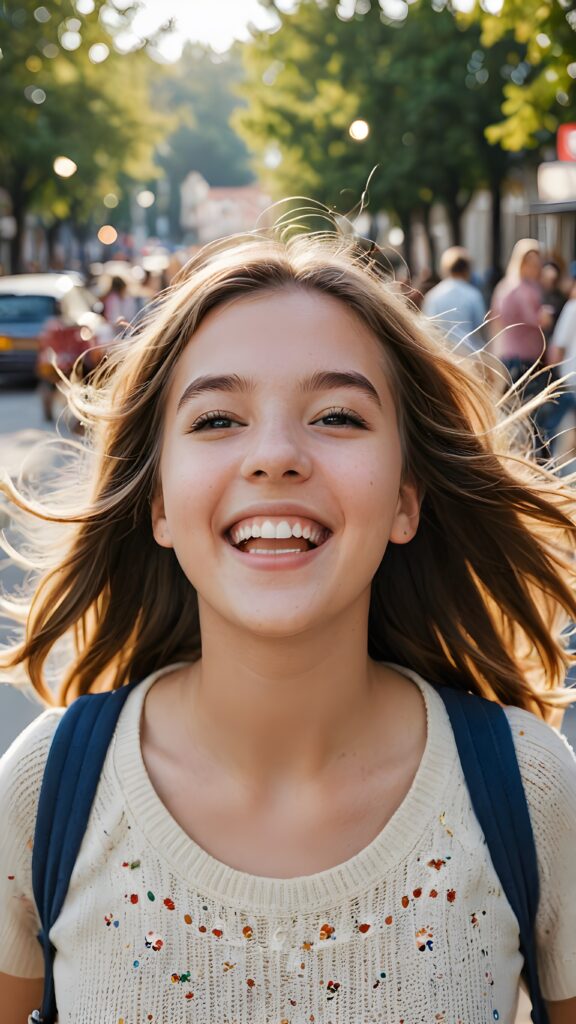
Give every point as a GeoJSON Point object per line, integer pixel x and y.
{"type": "Point", "coordinates": [159, 525]}
{"type": "Point", "coordinates": [407, 514]}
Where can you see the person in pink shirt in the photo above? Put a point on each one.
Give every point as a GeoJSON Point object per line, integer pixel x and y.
{"type": "Point", "coordinates": [518, 320]}
{"type": "Point", "coordinates": [518, 315]}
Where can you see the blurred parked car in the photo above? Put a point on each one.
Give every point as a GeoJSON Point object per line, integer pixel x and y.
{"type": "Point", "coordinates": [47, 321]}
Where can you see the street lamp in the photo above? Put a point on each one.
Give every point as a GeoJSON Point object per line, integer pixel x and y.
{"type": "Point", "coordinates": [64, 167]}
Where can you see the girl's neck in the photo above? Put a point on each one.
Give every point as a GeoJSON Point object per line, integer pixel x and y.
{"type": "Point", "coordinates": [280, 708]}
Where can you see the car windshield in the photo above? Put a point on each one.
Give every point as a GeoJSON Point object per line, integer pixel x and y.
{"type": "Point", "coordinates": [25, 309]}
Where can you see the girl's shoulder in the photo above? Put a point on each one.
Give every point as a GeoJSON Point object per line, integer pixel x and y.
{"type": "Point", "coordinates": [538, 743]}
{"type": "Point", "coordinates": [21, 772]}
{"type": "Point", "coordinates": [548, 769]}
{"type": "Point", "coordinates": [22, 766]}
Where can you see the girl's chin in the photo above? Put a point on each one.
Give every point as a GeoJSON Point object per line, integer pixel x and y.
{"type": "Point", "coordinates": [272, 616]}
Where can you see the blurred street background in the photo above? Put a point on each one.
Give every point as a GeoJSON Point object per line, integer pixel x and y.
{"type": "Point", "coordinates": [133, 132]}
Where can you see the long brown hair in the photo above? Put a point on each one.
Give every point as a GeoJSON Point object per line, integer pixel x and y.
{"type": "Point", "coordinates": [479, 599]}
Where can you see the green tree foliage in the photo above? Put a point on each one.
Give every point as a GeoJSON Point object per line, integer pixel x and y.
{"type": "Point", "coordinates": [542, 93]}
{"type": "Point", "coordinates": [59, 97]}
{"type": "Point", "coordinates": [199, 92]}
{"type": "Point", "coordinates": [425, 86]}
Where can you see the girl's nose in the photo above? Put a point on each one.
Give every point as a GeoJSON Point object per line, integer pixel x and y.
{"type": "Point", "coordinates": [276, 454]}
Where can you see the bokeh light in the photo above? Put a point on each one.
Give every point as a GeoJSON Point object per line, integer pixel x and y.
{"type": "Point", "coordinates": [272, 71]}
{"type": "Point", "coordinates": [394, 10]}
{"type": "Point", "coordinates": [70, 40]}
{"type": "Point", "coordinates": [395, 237]}
{"type": "Point", "coordinates": [272, 156]}
{"type": "Point", "coordinates": [50, 50]}
{"type": "Point", "coordinates": [345, 10]}
{"type": "Point", "coordinates": [84, 6]}
{"type": "Point", "coordinates": [126, 41]}
{"type": "Point", "coordinates": [98, 52]}
{"type": "Point", "coordinates": [42, 14]}
{"type": "Point", "coordinates": [107, 234]}
{"type": "Point", "coordinates": [64, 167]}
{"type": "Point", "coordinates": [111, 200]}
{"type": "Point", "coordinates": [359, 130]}
{"type": "Point", "coordinates": [34, 64]}
{"type": "Point", "coordinates": [34, 95]}
{"type": "Point", "coordinates": [145, 198]}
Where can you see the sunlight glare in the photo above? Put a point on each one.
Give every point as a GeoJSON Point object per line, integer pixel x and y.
{"type": "Point", "coordinates": [216, 24]}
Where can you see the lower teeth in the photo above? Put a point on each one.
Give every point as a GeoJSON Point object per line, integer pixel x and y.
{"type": "Point", "coordinates": [271, 551]}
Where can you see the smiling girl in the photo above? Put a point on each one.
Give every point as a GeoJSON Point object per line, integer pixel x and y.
{"type": "Point", "coordinates": [303, 517]}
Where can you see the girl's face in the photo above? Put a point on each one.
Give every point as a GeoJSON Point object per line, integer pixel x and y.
{"type": "Point", "coordinates": [281, 463]}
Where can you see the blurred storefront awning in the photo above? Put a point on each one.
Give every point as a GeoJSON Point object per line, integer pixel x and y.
{"type": "Point", "coordinates": [568, 206]}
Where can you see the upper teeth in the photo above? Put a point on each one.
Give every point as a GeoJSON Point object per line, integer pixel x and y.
{"type": "Point", "coordinates": [278, 531]}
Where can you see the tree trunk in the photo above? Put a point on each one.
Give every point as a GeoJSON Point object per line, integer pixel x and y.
{"type": "Point", "coordinates": [430, 238]}
{"type": "Point", "coordinates": [82, 231]}
{"type": "Point", "coordinates": [454, 214]}
{"type": "Point", "coordinates": [175, 208]}
{"type": "Point", "coordinates": [51, 239]}
{"type": "Point", "coordinates": [17, 243]}
{"type": "Point", "coordinates": [496, 224]}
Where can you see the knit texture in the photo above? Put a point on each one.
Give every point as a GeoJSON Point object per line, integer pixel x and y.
{"type": "Point", "coordinates": [414, 928]}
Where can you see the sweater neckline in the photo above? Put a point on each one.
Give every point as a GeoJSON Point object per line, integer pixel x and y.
{"type": "Point", "coordinates": [233, 887]}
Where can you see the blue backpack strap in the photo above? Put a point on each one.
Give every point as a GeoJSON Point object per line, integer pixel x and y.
{"type": "Point", "coordinates": [71, 777]}
{"type": "Point", "coordinates": [488, 757]}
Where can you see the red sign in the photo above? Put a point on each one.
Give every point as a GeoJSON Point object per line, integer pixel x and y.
{"type": "Point", "coordinates": [566, 142]}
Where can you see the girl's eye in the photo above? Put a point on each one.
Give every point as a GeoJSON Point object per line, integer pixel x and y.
{"type": "Point", "coordinates": [215, 420]}
{"type": "Point", "coordinates": [341, 418]}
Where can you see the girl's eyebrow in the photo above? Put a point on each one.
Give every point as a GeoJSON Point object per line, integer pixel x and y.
{"type": "Point", "coordinates": [322, 380]}
{"type": "Point", "coordinates": [328, 380]}
{"type": "Point", "coordinates": [219, 382]}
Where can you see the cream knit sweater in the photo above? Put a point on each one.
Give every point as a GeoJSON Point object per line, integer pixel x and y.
{"type": "Point", "coordinates": [413, 929]}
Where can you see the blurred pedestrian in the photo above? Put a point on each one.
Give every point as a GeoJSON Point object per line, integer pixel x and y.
{"type": "Point", "coordinates": [564, 337]}
{"type": "Point", "coordinates": [518, 318]}
{"type": "Point", "coordinates": [455, 304]}
{"type": "Point", "coordinates": [553, 296]}
{"type": "Point", "coordinates": [519, 322]}
{"type": "Point", "coordinates": [119, 304]}
{"type": "Point", "coordinates": [563, 342]}
{"type": "Point", "coordinates": [310, 549]}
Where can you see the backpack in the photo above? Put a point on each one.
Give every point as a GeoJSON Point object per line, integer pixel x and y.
{"type": "Point", "coordinates": [485, 746]}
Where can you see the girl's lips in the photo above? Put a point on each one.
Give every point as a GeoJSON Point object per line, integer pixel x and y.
{"type": "Point", "coordinates": [277, 561]}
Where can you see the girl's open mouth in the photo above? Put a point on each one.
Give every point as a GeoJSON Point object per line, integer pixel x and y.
{"type": "Point", "coordinates": [277, 536]}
